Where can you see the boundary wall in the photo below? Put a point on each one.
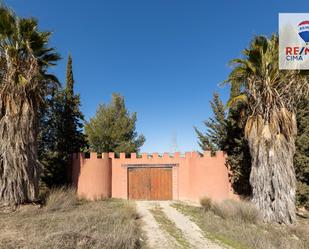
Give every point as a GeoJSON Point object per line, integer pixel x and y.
{"type": "Point", "coordinates": [193, 175]}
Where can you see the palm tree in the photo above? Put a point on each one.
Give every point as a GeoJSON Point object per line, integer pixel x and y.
{"type": "Point", "coordinates": [24, 84]}
{"type": "Point", "coordinates": [271, 96]}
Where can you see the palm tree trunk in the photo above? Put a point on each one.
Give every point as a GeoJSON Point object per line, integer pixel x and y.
{"type": "Point", "coordinates": [272, 175]}
{"type": "Point", "coordinates": [19, 166]}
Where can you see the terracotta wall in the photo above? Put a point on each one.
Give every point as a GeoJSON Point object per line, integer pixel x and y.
{"type": "Point", "coordinates": [194, 176]}
{"type": "Point", "coordinates": [92, 176]}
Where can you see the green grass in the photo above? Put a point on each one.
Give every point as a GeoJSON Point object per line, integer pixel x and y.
{"type": "Point", "coordinates": [67, 223]}
{"type": "Point", "coordinates": [167, 225]}
{"type": "Point", "coordinates": [241, 234]}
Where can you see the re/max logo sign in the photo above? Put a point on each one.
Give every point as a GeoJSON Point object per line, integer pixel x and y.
{"type": "Point", "coordinates": [294, 41]}
{"type": "Point", "coordinates": [296, 53]}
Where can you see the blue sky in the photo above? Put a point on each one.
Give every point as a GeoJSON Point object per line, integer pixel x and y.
{"type": "Point", "coordinates": [166, 57]}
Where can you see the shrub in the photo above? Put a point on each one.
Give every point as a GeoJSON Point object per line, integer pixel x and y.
{"type": "Point", "coordinates": [206, 203]}
{"type": "Point", "coordinates": [302, 195]}
{"type": "Point", "coordinates": [237, 210]}
{"type": "Point", "coordinates": [60, 199]}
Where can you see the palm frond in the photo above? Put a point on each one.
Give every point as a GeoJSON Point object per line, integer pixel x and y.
{"type": "Point", "coordinates": [26, 57]}
{"type": "Point", "coordinates": [240, 98]}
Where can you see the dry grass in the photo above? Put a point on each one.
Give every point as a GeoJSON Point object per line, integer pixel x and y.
{"type": "Point", "coordinates": [237, 210]}
{"type": "Point", "coordinates": [229, 209]}
{"type": "Point", "coordinates": [206, 203]}
{"type": "Point", "coordinates": [60, 199]}
{"type": "Point", "coordinates": [239, 228]}
{"type": "Point", "coordinates": [67, 223]}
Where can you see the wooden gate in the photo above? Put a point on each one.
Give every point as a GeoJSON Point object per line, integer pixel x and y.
{"type": "Point", "coordinates": [150, 183]}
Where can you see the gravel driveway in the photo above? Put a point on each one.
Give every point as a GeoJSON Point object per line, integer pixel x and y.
{"type": "Point", "coordinates": [160, 237]}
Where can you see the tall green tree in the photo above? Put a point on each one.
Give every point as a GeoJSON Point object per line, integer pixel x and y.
{"type": "Point", "coordinates": [51, 141]}
{"type": "Point", "coordinates": [225, 131]}
{"type": "Point", "coordinates": [214, 137]}
{"type": "Point", "coordinates": [271, 97]}
{"type": "Point", "coordinates": [61, 133]}
{"type": "Point", "coordinates": [74, 119]}
{"type": "Point", "coordinates": [237, 149]}
{"type": "Point", "coordinates": [24, 83]}
{"type": "Point", "coordinates": [236, 145]}
{"type": "Point", "coordinates": [113, 129]}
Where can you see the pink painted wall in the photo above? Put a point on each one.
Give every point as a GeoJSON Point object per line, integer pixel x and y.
{"type": "Point", "coordinates": [92, 176]}
{"type": "Point", "coordinates": [194, 176]}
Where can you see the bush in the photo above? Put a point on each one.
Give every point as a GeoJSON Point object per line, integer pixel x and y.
{"type": "Point", "coordinates": [237, 210]}
{"type": "Point", "coordinates": [206, 203]}
{"type": "Point", "coordinates": [302, 195]}
{"type": "Point", "coordinates": [60, 199]}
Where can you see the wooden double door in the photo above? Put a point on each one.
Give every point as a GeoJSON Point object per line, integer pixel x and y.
{"type": "Point", "coordinates": [150, 183]}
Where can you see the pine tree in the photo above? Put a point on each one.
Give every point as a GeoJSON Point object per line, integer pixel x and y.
{"type": "Point", "coordinates": [214, 137]}
{"type": "Point", "coordinates": [225, 131]}
{"type": "Point", "coordinates": [113, 129]}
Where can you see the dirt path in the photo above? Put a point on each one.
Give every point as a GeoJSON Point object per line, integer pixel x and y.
{"type": "Point", "coordinates": [156, 238]}
{"type": "Point", "coordinates": [158, 235]}
{"type": "Point", "coordinates": [191, 231]}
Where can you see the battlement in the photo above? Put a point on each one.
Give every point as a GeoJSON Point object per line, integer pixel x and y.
{"type": "Point", "coordinates": [193, 175]}
{"type": "Point", "coordinates": [155, 155]}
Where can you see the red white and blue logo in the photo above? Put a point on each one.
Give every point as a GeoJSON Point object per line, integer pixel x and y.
{"type": "Point", "coordinates": [294, 41]}
{"type": "Point", "coordinates": [297, 53]}
{"type": "Point", "coordinates": [303, 30]}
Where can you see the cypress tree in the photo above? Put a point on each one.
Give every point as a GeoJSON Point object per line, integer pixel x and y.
{"type": "Point", "coordinates": [73, 118]}
{"type": "Point", "coordinates": [69, 80]}
{"type": "Point", "coordinates": [61, 132]}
